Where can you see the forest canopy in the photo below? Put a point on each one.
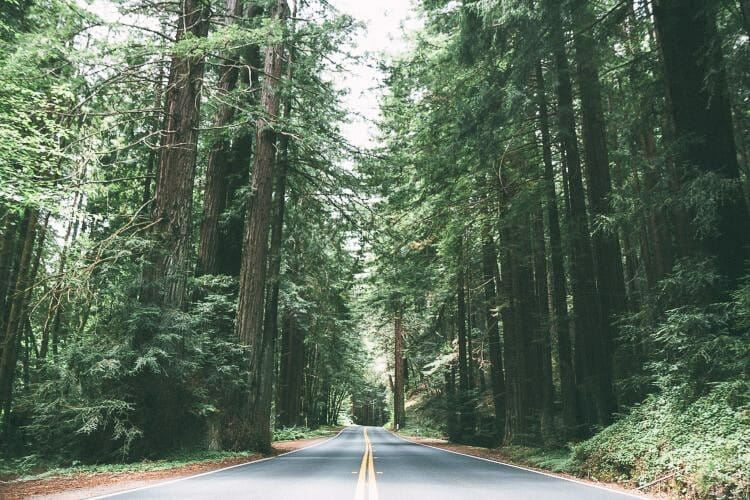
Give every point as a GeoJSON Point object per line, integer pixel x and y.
{"type": "Point", "coordinates": [546, 247]}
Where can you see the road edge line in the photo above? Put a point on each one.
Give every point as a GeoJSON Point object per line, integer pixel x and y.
{"type": "Point", "coordinates": [172, 481]}
{"type": "Point", "coordinates": [548, 474]}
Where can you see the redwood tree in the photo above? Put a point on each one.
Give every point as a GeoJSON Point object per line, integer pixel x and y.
{"type": "Point", "coordinates": [255, 431]}
{"type": "Point", "coordinates": [594, 390]}
{"type": "Point", "coordinates": [173, 204]}
{"type": "Point", "coordinates": [700, 111]}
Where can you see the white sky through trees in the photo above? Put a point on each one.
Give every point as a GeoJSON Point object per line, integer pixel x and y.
{"type": "Point", "coordinates": [385, 22]}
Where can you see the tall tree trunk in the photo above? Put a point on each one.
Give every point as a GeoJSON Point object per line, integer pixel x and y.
{"type": "Point", "coordinates": [516, 412]}
{"type": "Point", "coordinates": [491, 273]}
{"type": "Point", "coordinates": [447, 326]}
{"type": "Point", "coordinates": [232, 234]}
{"type": "Point", "coordinates": [277, 224]}
{"type": "Point", "coordinates": [527, 395]}
{"type": "Point", "coordinates": [7, 257]}
{"type": "Point", "coordinates": [166, 277]}
{"type": "Point", "coordinates": [558, 285]}
{"type": "Point", "coordinates": [18, 302]}
{"type": "Point", "coordinates": [255, 433]}
{"type": "Point", "coordinates": [452, 425]}
{"type": "Point", "coordinates": [467, 418]}
{"type": "Point", "coordinates": [291, 373]}
{"type": "Point", "coordinates": [655, 236]}
{"type": "Point", "coordinates": [745, 8]}
{"type": "Point", "coordinates": [27, 333]}
{"type": "Point", "coordinates": [607, 252]}
{"type": "Point", "coordinates": [662, 253]}
{"type": "Point", "coordinates": [469, 332]}
{"type": "Point", "coordinates": [311, 384]}
{"type": "Point", "coordinates": [594, 393]}
{"type": "Point", "coordinates": [542, 340]}
{"type": "Point", "coordinates": [700, 110]}
{"type": "Point", "coordinates": [271, 321]}
{"type": "Point", "coordinates": [216, 194]}
{"type": "Point", "coordinates": [399, 411]}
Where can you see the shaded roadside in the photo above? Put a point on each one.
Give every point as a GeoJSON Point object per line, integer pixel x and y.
{"type": "Point", "coordinates": [91, 484]}
{"type": "Point", "coordinates": [502, 456]}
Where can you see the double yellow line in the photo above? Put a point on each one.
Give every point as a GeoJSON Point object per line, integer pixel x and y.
{"type": "Point", "coordinates": [367, 474]}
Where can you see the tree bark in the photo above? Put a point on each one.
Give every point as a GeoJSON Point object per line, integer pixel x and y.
{"type": "Point", "coordinates": [558, 285]}
{"type": "Point", "coordinates": [699, 106]}
{"type": "Point", "coordinates": [745, 8]}
{"type": "Point", "coordinates": [7, 256]}
{"type": "Point", "coordinates": [469, 333]}
{"type": "Point", "coordinates": [515, 411]}
{"type": "Point", "coordinates": [542, 343]}
{"type": "Point", "coordinates": [18, 302]}
{"type": "Point", "coordinates": [399, 411]}
{"type": "Point", "coordinates": [166, 277]}
{"type": "Point", "coordinates": [607, 252]}
{"type": "Point", "coordinates": [594, 392]}
{"type": "Point", "coordinates": [218, 193]}
{"type": "Point", "coordinates": [256, 430]}
{"type": "Point", "coordinates": [489, 268]}
{"type": "Point", "coordinates": [291, 373]}
{"type": "Point", "coordinates": [277, 229]}
{"type": "Point", "coordinates": [467, 419]}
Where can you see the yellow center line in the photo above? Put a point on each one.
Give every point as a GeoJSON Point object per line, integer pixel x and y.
{"type": "Point", "coordinates": [366, 474]}
{"type": "Point", "coordinates": [373, 490]}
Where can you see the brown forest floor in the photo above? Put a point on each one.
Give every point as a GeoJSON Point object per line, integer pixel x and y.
{"type": "Point", "coordinates": [77, 486]}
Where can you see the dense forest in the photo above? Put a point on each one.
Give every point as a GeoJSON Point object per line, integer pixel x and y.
{"type": "Point", "coordinates": [547, 247]}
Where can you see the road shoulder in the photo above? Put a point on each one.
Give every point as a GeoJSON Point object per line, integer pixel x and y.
{"type": "Point", "coordinates": [497, 455]}
{"type": "Point", "coordinates": [87, 485]}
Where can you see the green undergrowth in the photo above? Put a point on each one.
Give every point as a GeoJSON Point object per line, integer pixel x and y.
{"type": "Point", "coordinates": [294, 433]}
{"type": "Point", "coordinates": [554, 460]}
{"type": "Point", "coordinates": [35, 467]}
{"type": "Point", "coordinates": [702, 448]}
{"type": "Point", "coordinates": [423, 419]}
{"type": "Point", "coordinates": [422, 431]}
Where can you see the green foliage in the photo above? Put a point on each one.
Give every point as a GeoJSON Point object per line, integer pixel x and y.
{"type": "Point", "coordinates": [461, 156]}
{"type": "Point", "coordinates": [703, 443]}
{"type": "Point", "coordinates": [426, 416]}
{"type": "Point", "coordinates": [418, 430]}
{"type": "Point", "coordinates": [694, 342]}
{"type": "Point", "coordinates": [24, 469]}
{"type": "Point", "coordinates": [459, 165]}
{"type": "Point", "coordinates": [295, 433]}
{"type": "Point", "coordinates": [140, 381]}
{"type": "Point", "coordinates": [424, 419]}
{"type": "Point", "coordinates": [555, 459]}
{"type": "Point", "coordinates": [696, 427]}
{"type": "Point", "coordinates": [36, 90]}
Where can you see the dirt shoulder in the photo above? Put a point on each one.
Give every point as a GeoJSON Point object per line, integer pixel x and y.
{"type": "Point", "coordinates": [497, 455]}
{"type": "Point", "coordinates": [87, 485]}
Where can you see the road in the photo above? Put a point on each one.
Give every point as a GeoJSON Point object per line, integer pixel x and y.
{"type": "Point", "coordinates": [369, 463]}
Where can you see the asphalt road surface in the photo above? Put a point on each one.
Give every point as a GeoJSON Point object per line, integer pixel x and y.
{"type": "Point", "coordinates": [369, 463]}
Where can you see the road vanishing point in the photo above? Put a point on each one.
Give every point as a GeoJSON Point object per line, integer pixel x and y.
{"type": "Point", "coordinates": [370, 463]}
